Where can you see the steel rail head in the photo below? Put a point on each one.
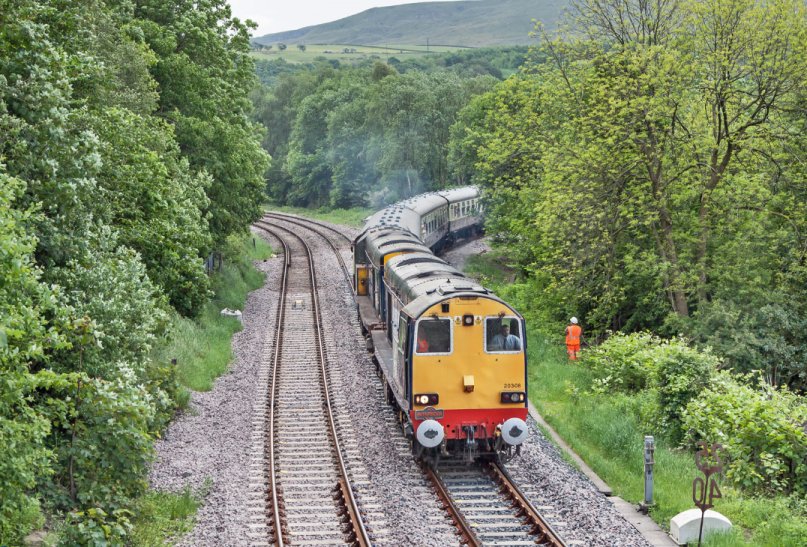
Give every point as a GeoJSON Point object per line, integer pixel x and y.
{"type": "Point", "coordinates": [464, 530]}
{"type": "Point", "coordinates": [360, 533]}
{"type": "Point", "coordinates": [277, 526]}
{"type": "Point", "coordinates": [357, 523]}
{"type": "Point", "coordinates": [303, 222]}
{"type": "Point", "coordinates": [293, 218]}
{"type": "Point", "coordinates": [540, 527]}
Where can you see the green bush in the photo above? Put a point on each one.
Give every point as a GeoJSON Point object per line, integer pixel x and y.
{"type": "Point", "coordinates": [95, 528]}
{"type": "Point", "coordinates": [166, 393]}
{"type": "Point", "coordinates": [641, 363]}
{"type": "Point", "coordinates": [124, 312]}
{"type": "Point", "coordinates": [624, 362]}
{"type": "Point", "coordinates": [761, 428]}
{"type": "Point", "coordinates": [29, 313]}
{"type": "Point", "coordinates": [681, 373]}
{"type": "Point", "coordinates": [101, 442]}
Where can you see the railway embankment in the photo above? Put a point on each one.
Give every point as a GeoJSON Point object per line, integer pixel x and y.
{"type": "Point", "coordinates": [205, 448]}
{"type": "Point", "coordinates": [600, 417]}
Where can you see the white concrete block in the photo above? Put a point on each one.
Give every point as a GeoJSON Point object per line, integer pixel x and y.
{"type": "Point", "coordinates": [684, 526]}
{"type": "Point", "coordinates": [227, 312]}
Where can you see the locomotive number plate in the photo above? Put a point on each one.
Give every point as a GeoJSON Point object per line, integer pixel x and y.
{"type": "Point", "coordinates": [429, 413]}
{"type": "Point", "coordinates": [512, 386]}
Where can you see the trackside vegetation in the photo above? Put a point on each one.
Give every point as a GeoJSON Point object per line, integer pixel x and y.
{"type": "Point", "coordinates": [201, 346]}
{"type": "Point", "coordinates": [644, 173]}
{"type": "Point", "coordinates": [639, 384]}
{"type": "Point", "coordinates": [126, 158]}
{"type": "Point", "coordinates": [648, 179]}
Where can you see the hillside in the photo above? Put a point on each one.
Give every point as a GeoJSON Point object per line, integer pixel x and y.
{"type": "Point", "coordinates": [467, 23]}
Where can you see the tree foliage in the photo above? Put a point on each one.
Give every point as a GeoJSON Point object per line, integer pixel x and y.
{"type": "Point", "coordinates": [205, 74]}
{"type": "Point", "coordinates": [359, 135]}
{"type": "Point", "coordinates": [25, 335]}
{"type": "Point", "coordinates": [126, 154]}
{"type": "Point", "coordinates": [647, 175]}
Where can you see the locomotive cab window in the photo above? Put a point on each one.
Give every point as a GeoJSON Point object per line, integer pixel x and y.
{"type": "Point", "coordinates": [433, 336]}
{"type": "Point", "coordinates": [503, 335]}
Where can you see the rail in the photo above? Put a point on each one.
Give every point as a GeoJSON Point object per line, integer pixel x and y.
{"type": "Point", "coordinates": [358, 533]}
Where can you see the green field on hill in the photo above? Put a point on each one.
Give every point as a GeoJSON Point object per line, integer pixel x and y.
{"type": "Point", "coordinates": [349, 53]}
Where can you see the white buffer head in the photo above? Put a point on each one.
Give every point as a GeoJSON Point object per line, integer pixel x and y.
{"type": "Point", "coordinates": [430, 433]}
{"type": "Point", "coordinates": [514, 431]}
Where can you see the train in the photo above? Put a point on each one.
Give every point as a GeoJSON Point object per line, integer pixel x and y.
{"type": "Point", "coordinates": [451, 354]}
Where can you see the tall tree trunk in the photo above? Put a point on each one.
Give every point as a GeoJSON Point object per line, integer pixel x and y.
{"type": "Point", "coordinates": [673, 284]}
{"type": "Point", "coordinates": [716, 170]}
{"type": "Point", "coordinates": [672, 278]}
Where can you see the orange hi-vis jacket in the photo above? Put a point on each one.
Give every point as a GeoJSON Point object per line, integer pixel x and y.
{"type": "Point", "coordinates": [573, 333]}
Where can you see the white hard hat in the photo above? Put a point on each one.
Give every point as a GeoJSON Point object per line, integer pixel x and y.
{"type": "Point", "coordinates": [573, 320]}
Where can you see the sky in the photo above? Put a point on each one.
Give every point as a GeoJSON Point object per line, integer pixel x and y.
{"type": "Point", "coordinates": [281, 15]}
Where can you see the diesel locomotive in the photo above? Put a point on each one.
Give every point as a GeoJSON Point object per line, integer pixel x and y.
{"type": "Point", "coordinates": [451, 353]}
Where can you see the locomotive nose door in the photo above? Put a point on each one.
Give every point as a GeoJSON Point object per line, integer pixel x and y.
{"type": "Point", "coordinates": [361, 284]}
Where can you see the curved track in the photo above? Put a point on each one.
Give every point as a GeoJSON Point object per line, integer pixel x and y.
{"type": "Point", "coordinates": [487, 508]}
{"type": "Point", "coordinates": [309, 499]}
{"type": "Point", "coordinates": [307, 224]}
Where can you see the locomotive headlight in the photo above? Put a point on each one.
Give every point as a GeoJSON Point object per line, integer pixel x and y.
{"type": "Point", "coordinates": [426, 399]}
{"type": "Point", "coordinates": [513, 397]}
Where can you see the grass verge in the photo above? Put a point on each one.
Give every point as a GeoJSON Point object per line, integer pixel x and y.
{"type": "Point", "coordinates": [349, 217]}
{"type": "Point", "coordinates": [202, 349]}
{"type": "Point", "coordinates": [603, 430]}
{"type": "Point", "coordinates": [201, 346]}
{"type": "Point", "coordinates": [163, 517]}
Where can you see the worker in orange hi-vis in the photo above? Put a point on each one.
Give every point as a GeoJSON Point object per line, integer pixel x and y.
{"type": "Point", "coordinates": [423, 343]}
{"type": "Point", "coordinates": [573, 334]}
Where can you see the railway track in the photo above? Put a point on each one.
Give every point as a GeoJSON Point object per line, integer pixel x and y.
{"type": "Point", "coordinates": [321, 231]}
{"type": "Point", "coordinates": [308, 497]}
{"type": "Point", "coordinates": [307, 223]}
{"type": "Point", "coordinates": [488, 508]}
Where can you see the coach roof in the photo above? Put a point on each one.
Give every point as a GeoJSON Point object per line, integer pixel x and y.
{"type": "Point", "coordinates": [460, 194]}
{"type": "Point", "coordinates": [425, 203]}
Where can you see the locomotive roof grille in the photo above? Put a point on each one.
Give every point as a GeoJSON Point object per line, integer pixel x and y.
{"type": "Point", "coordinates": [450, 288]}
{"type": "Point", "coordinates": [419, 260]}
{"type": "Point", "coordinates": [394, 241]}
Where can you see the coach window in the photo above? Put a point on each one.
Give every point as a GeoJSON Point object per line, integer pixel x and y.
{"type": "Point", "coordinates": [503, 335]}
{"type": "Point", "coordinates": [433, 336]}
